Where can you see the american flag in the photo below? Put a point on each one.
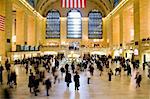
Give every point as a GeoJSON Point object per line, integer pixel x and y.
{"type": "Point", "coordinates": [73, 3]}
{"type": "Point", "coordinates": [2, 23]}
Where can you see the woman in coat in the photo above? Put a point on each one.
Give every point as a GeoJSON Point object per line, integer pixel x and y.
{"type": "Point", "coordinates": [76, 80]}
{"type": "Point", "coordinates": [1, 74]}
{"type": "Point", "coordinates": [110, 73]}
{"type": "Point", "coordinates": [68, 78]}
{"type": "Point", "coordinates": [48, 86]}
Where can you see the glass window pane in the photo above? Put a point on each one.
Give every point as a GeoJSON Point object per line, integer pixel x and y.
{"type": "Point", "coordinates": [74, 24]}
{"type": "Point", "coordinates": [95, 25]}
{"type": "Point", "coordinates": [53, 24]}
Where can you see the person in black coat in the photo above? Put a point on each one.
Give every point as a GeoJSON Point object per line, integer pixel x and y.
{"type": "Point", "coordinates": [13, 78]}
{"type": "Point", "coordinates": [48, 85]}
{"type": "Point", "coordinates": [110, 73]}
{"type": "Point", "coordinates": [8, 77]}
{"type": "Point", "coordinates": [56, 63]}
{"type": "Point", "coordinates": [36, 84]}
{"type": "Point", "coordinates": [76, 80]}
{"type": "Point", "coordinates": [100, 69]}
{"type": "Point", "coordinates": [138, 79]}
{"type": "Point", "coordinates": [1, 74]}
{"type": "Point", "coordinates": [73, 67]}
{"type": "Point", "coordinates": [31, 82]}
{"type": "Point", "coordinates": [66, 67]}
{"type": "Point", "coordinates": [128, 70]}
{"type": "Point", "coordinates": [91, 69]}
{"type": "Point", "coordinates": [7, 65]}
{"type": "Point", "coordinates": [62, 71]}
{"type": "Point", "coordinates": [26, 67]}
{"type": "Point", "coordinates": [68, 78]}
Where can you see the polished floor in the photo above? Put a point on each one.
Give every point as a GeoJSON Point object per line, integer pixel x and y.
{"type": "Point", "coordinates": [100, 88]}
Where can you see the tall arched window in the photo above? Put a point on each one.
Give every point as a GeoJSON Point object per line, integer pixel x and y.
{"type": "Point", "coordinates": [95, 25]}
{"type": "Point", "coordinates": [74, 24]}
{"type": "Point", "coordinates": [53, 24]}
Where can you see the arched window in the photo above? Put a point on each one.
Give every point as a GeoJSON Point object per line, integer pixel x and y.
{"type": "Point", "coordinates": [95, 25]}
{"type": "Point", "coordinates": [74, 24]}
{"type": "Point", "coordinates": [53, 24]}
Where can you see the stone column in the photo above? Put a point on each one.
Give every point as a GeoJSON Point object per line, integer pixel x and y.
{"type": "Point", "coordinates": [137, 29]}
{"type": "Point", "coordinates": [121, 28]}
{"type": "Point", "coordinates": [14, 32]}
{"type": "Point", "coordinates": [104, 33]}
{"type": "Point", "coordinates": [8, 26]}
{"type": "Point", "coordinates": [2, 33]}
{"type": "Point", "coordinates": [63, 29]}
{"type": "Point", "coordinates": [36, 32]}
{"type": "Point", "coordinates": [84, 30]}
{"type": "Point", "coordinates": [110, 32]}
{"type": "Point", "coordinates": [43, 34]}
{"type": "Point", "coordinates": [20, 27]}
{"type": "Point", "coordinates": [25, 27]}
{"type": "Point", "coordinates": [31, 31]}
{"type": "Point", "coordinates": [121, 32]}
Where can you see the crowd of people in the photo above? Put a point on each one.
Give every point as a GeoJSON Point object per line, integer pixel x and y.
{"type": "Point", "coordinates": [49, 70]}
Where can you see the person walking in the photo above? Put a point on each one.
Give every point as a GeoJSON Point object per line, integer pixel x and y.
{"type": "Point", "coordinates": [31, 82]}
{"type": "Point", "coordinates": [48, 86]}
{"type": "Point", "coordinates": [36, 84]}
{"type": "Point", "coordinates": [68, 78]}
{"type": "Point", "coordinates": [88, 77]}
{"type": "Point", "coordinates": [73, 67]}
{"type": "Point", "coordinates": [110, 73]}
{"type": "Point", "coordinates": [148, 73]}
{"type": "Point", "coordinates": [138, 78]}
{"type": "Point", "coordinates": [76, 80]}
{"type": "Point", "coordinates": [91, 68]}
{"type": "Point", "coordinates": [7, 65]}
{"type": "Point", "coordinates": [144, 66]}
{"type": "Point", "coordinates": [13, 79]}
{"type": "Point", "coordinates": [56, 74]}
{"type": "Point", "coordinates": [8, 78]}
{"type": "Point", "coordinates": [62, 69]}
{"type": "Point", "coordinates": [128, 70]}
{"type": "Point", "coordinates": [67, 67]}
{"type": "Point", "coordinates": [100, 69]}
{"type": "Point", "coordinates": [26, 67]}
{"type": "Point", "coordinates": [1, 74]}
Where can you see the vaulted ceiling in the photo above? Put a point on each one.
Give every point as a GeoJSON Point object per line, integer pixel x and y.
{"type": "Point", "coordinates": [104, 6]}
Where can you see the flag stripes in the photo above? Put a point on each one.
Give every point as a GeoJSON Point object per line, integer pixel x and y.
{"type": "Point", "coordinates": [2, 23]}
{"type": "Point", "coordinates": [73, 3]}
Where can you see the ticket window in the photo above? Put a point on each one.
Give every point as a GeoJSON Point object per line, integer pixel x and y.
{"type": "Point", "coordinates": [146, 57]}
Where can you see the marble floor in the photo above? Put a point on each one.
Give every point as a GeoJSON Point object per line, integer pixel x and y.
{"type": "Point", "coordinates": [100, 88]}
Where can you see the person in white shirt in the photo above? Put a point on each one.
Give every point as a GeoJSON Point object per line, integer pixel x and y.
{"type": "Point", "coordinates": [88, 76]}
